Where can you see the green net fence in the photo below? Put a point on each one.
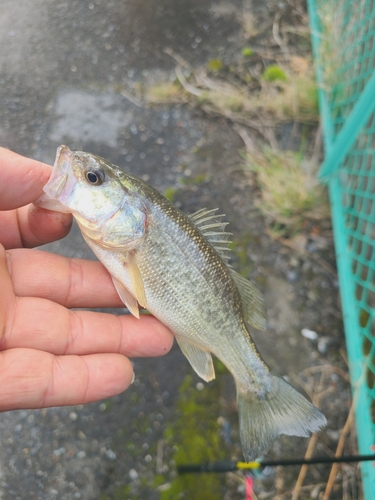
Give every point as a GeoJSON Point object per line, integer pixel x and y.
{"type": "Point", "coordinates": [343, 34]}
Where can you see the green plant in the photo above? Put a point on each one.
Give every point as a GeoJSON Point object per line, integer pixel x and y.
{"type": "Point", "coordinates": [170, 193]}
{"type": "Point", "coordinates": [215, 64]}
{"type": "Point", "coordinates": [247, 52]}
{"type": "Point", "coordinates": [274, 73]}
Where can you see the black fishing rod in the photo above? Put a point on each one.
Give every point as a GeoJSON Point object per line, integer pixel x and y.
{"type": "Point", "coordinates": [230, 466]}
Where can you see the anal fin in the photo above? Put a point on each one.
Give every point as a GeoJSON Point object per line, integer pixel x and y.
{"type": "Point", "coordinates": [200, 360]}
{"type": "Point", "coordinates": [127, 298]}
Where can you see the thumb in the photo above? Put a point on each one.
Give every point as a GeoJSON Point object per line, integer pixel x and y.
{"type": "Point", "coordinates": [22, 179]}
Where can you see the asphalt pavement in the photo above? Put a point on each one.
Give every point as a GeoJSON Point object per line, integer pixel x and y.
{"type": "Point", "coordinates": [62, 68]}
{"type": "Point", "coordinates": [69, 71]}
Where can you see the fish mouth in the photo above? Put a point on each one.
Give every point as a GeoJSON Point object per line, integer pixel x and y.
{"type": "Point", "coordinates": [60, 173]}
{"type": "Point", "coordinates": [61, 182]}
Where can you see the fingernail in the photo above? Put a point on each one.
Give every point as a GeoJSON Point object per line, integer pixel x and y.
{"type": "Point", "coordinates": [8, 261]}
{"type": "Point", "coordinates": [33, 209]}
{"type": "Point", "coordinates": [66, 220]}
{"type": "Point", "coordinates": [133, 378]}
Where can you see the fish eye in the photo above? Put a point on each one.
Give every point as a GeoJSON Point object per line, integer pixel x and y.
{"type": "Point", "coordinates": [95, 177]}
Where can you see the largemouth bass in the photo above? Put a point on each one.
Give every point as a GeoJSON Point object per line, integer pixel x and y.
{"type": "Point", "coordinates": [176, 266]}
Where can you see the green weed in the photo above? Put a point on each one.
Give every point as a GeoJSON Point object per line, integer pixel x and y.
{"type": "Point", "coordinates": [274, 73]}
{"type": "Point", "coordinates": [247, 52]}
{"type": "Point", "coordinates": [215, 65]}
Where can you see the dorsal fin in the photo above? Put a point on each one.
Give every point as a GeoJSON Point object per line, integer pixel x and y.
{"type": "Point", "coordinates": [202, 216]}
{"type": "Point", "coordinates": [254, 308]}
{"type": "Point", "coordinates": [213, 229]}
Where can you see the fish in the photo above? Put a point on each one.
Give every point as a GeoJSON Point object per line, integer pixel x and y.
{"type": "Point", "coordinates": [177, 267]}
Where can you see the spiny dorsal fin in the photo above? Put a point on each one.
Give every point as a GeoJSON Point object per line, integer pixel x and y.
{"type": "Point", "coordinates": [211, 226]}
{"type": "Point", "coordinates": [204, 216]}
{"type": "Point", "coordinates": [253, 302]}
{"type": "Point", "coordinates": [213, 229]}
{"type": "Point", "coordinates": [200, 360]}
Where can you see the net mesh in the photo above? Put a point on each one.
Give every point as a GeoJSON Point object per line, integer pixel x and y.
{"type": "Point", "coordinates": [343, 34]}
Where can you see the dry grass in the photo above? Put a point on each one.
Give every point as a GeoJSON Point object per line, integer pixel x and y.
{"type": "Point", "coordinates": [330, 47]}
{"type": "Point", "coordinates": [290, 193]}
{"type": "Point", "coordinates": [165, 93]}
{"type": "Point", "coordinates": [337, 37]}
{"type": "Point", "coordinates": [294, 99]}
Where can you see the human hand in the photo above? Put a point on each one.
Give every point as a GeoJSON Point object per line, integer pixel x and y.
{"type": "Point", "coordinates": [51, 355]}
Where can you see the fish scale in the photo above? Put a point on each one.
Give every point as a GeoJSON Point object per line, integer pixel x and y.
{"type": "Point", "coordinates": [198, 317]}
{"type": "Point", "coordinates": [176, 267]}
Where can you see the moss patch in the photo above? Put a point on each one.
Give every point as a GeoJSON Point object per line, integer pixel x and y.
{"type": "Point", "coordinates": [195, 438]}
{"type": "Point", "coordinates": [274, 73]}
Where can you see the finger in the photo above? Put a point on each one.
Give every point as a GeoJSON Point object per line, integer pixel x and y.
{"type": "Point", "coordinates": [70, 282]}
{"type": "Point", "coordinates": [22, 179]}
{"type": "Point", "coordinates": [44, 325]}
{"type": "Point", "coordinates": [7, 297]}
{"type": "Point", "coordinates": [32, 226]}
{"type": "Point", "coordinates": [34, 379]}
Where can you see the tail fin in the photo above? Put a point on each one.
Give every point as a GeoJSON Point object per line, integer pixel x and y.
{"type": "Point", "coordinates": [282, 410]}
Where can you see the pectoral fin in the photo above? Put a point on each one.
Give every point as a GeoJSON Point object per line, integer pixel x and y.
{"type": "Point", "coordinates": [200, 360]}
{"type": "Point", "coordinates": [127, 298]}
{"type": "Point", "coordinates": [253, 302]}
{"type": "Point", "coordinates": [136, 280]}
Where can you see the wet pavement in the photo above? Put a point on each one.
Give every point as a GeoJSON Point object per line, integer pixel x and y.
{"type": "Point", "coordinates": [68, 74]}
